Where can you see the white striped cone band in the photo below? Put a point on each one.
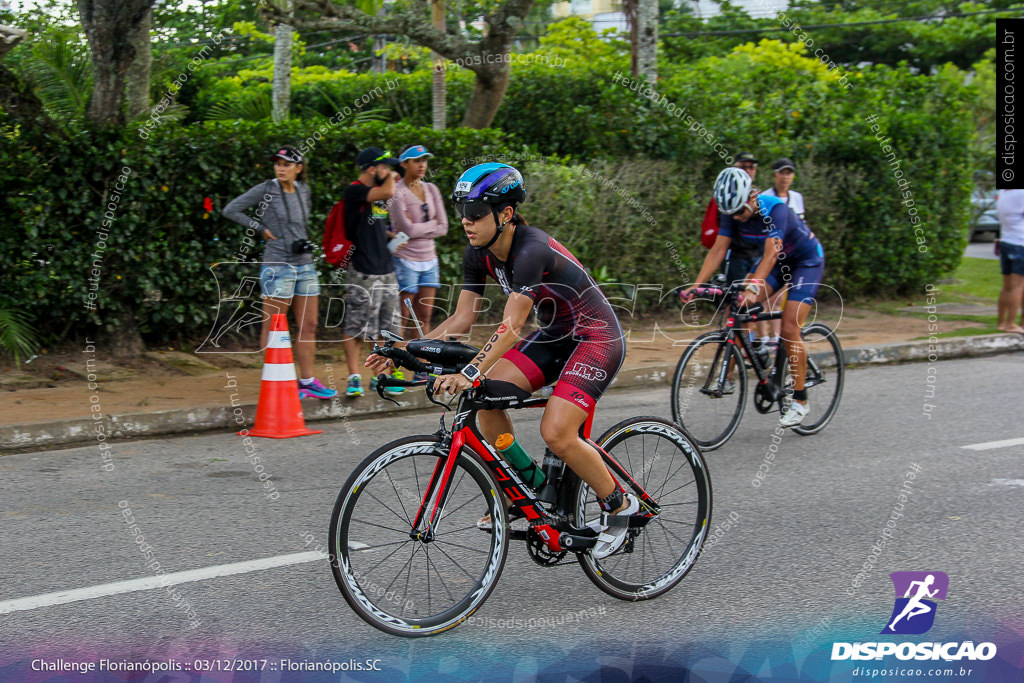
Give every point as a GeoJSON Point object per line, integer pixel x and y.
{"type": "Point", "coordinates": [279, 372]}
{"type": "Point", "coordinates": [280, 339]}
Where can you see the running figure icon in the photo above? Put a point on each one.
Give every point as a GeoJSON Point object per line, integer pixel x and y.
{"type": "Point", "coordinates": [915, 606]}
{"type": "Point", "coordinates": [916, 594]}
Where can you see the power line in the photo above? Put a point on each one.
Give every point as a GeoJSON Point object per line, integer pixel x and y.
{"type": "Point", "coordinates": [695, 34]}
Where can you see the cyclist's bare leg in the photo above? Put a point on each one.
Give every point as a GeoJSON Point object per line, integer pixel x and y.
{"type": "Point", "coordinates": [271, 305]}
{"type": "Point", "coordinates": [792, 320]}
{"type": "Point", "coordinates": [560, 429]}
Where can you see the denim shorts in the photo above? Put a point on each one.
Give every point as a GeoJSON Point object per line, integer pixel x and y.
{"type": "Point", "coordinates": [1011, 258]}
{"type": "Point", "coordinates": [283, 281]}
{"type": "Point", "coordinates": [410, 280]}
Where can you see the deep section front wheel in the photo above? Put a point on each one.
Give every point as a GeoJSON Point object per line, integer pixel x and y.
{"type": "Point", "coordinates": [708, 390]}
{"type": "Point", "coordinates": [421, 586]}
{"type": "Point", "coordinates": [665, 462]}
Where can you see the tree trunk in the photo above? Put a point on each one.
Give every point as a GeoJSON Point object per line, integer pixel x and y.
{"type": "Point", "coordinates": [109, 26]}
{"type": "Point", "coordinates": [122, 339]}
{"type": "Point", "coordinates": [138, 72]}
{"type": "Point", "coordinates": [282, 71]}
{"type": "Point", "coordinates": [439, 92]}
{"type": "Point", "coordinates": [488, 92]}
{"type": "Point", "coordinates": [647, 40]}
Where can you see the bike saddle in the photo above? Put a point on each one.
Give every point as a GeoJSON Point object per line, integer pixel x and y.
{"type": "Point", "coordinates": [451, 353]}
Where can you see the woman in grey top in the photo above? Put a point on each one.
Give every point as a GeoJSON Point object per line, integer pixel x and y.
{"type": "Point", "coordinates": [287, 276]}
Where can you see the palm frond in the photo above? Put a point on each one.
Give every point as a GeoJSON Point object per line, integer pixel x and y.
{"type": "Point", "coordinates": [60, 71]}
{"type": "Point", "coordinates": [17, 336]}
{"type": "Point", "coordinates": [255, 107]}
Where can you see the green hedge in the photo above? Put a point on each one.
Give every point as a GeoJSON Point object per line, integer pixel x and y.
{"type": "Point", "coordinates": [616, 177]}
{"type": "Point", "coordinates": [154, 270]}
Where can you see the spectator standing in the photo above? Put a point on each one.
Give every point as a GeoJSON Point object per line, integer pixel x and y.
{"type": "Point", "coordinates": [371, 293]}
{"type": "Point", "coordinates": [1010, 209]}
{"type": "Point", "coordinates": [287, 276]}
{"type": "Point", "coordinates": [783, 172]}
{"type": "Point", "coordinates": [417, 210]}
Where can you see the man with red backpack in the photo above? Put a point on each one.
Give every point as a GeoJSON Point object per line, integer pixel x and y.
{"type": "Point", "coordinates": [371, 294]}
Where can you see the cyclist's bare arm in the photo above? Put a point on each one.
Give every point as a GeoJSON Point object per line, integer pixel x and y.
{"type": "Point", "coordinates": [460, 323]}
{"type": "Point", "coordinates": [467, 310]}
{"type": "Point", "coordinates": [772, 247]}
{"type": "Point", "coordinates": [509, 332]}
{"type": "Point", "coordinates": [713, 260]}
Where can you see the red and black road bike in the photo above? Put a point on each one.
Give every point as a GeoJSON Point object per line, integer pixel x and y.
{"type": "Point", "coordinates": [406, 548]}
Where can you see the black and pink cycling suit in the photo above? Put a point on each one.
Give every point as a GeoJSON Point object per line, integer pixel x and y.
{"type": "Point", "coordinates": [580, 342]}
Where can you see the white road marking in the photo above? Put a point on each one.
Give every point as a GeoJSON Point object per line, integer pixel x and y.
{"type": "Point", "coordinates": [989, 445]}
{"type": "Point", "coordinates": [151, 582]}
{"type": "Point", "coordinates": [1007, 482]}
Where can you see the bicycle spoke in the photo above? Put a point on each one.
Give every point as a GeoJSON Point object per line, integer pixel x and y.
{"type": "Point", "coordinates": [381, 526]}
{"type": "Point", "coordinates": [382, 504]}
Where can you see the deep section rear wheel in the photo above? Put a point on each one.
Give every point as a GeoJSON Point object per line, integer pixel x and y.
{"type": "Point", "coordinates": [708, 410]}
{"type": "Point", "coordinates": [410, 587]}
{"type": "Point", "coordinates": [666, 463]}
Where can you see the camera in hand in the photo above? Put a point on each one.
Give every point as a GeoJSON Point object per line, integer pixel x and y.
{"type": "Point", "coordinates": [301, 246]}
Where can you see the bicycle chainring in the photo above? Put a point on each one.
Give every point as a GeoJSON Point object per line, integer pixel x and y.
{"type": "Point", "coordinates": [539, 551]}
{"type": "Point", "coordinates": [763, 399]}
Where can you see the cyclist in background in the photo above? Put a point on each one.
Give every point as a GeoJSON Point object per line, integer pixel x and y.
{"type": "Point", "coordinates": [792, 259]}
{"type": "Point", "coordinates": [579, 341]}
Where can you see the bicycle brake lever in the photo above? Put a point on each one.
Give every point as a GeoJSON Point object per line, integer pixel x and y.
{"type": "Point", "coordinates": [430, 396]}
{"type": "Point", "coordinates": [381, 379]}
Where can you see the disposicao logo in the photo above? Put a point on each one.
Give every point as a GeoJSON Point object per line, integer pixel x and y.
{"type": "Point", "coordinates": [913, 614]}
{"type": "Point", "coordinates": [914, 611]}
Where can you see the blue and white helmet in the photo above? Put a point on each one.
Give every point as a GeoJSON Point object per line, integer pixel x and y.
{"type": "Point", "coordinates": [732, 189]}
{"type": "Point", "coordinates": [492, 183]}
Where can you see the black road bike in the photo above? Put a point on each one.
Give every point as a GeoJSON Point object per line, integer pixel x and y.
{"type": "Point", "coordinates": [406, 549]}
{"type": "Point", "coordinates": [710, 382]}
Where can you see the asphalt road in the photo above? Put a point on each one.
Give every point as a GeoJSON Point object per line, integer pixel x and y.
{"type": "Point", "coordinates": [785, 571]}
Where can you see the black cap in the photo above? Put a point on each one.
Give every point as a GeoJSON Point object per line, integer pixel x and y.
{"type": "Point", "coordinates": [746, 156]}
{"type": "Point", "coordinates": [783, 163]}
{"type": "Point", "coordinates": [288, 153]}
{"type": "Point", "coordinates": [372, 156]}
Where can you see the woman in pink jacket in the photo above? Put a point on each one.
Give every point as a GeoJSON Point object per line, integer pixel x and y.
{"type": "Point", "coordinates": [417, 211]}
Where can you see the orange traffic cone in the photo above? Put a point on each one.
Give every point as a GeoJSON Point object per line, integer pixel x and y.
{"type": "Point", "coordinates": [278, 413]}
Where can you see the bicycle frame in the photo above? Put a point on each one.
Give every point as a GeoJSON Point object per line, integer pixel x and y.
{"type": "Point", "coordinates": [466, 433]}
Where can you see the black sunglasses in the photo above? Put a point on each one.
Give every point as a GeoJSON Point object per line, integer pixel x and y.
{"type": "Point", "coordinates": [472, 211]}
{"type": "Point", "coordinates": [426, 210]}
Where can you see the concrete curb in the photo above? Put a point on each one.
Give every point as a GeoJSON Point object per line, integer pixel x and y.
{"type": "Point", "coordinates": [84, 431]}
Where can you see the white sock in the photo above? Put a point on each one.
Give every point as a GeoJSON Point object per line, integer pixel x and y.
{"type": "Point", "coordinates": [355, 374]}
{"type": "Point", "coordinates": [310, 380]}
{"type": "Point", "coordinates": [765, 339]}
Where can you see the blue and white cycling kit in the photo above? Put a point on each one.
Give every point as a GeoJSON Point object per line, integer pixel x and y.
{"type": "Point", "coordinates": [802, 260]}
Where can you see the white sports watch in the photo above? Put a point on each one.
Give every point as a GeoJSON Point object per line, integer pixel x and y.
{"type": "Point", "coordinates": [471, 372]}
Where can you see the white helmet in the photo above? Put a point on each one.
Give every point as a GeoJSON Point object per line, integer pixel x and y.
{"type": "Point", "coordinates": [732, 189]}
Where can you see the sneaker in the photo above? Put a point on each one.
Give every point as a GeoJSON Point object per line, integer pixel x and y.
{"type": "Point", "coordinates": [315, 390]}
{"type": "Point", "coordinates": [727, 388]}
{"type": "Point", "coordinates": [795, 415]}
{"type": "Point", "coordinates": [611, 538]}
{"type": "Point", "coordinates": [395, 391]}
{"type": "Point", "coordinates": [355, 386]}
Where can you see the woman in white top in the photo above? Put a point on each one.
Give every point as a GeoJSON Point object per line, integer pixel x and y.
{"type": "Point", "coordinates": [1010, 208]}
{"type": "Point", "coordinates": [783, 171]}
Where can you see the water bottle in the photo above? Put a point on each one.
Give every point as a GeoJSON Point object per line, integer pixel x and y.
{"type": "Point", "coordinates": [552, 469]}
{"type": "Point", "coordinates": [520, 459]}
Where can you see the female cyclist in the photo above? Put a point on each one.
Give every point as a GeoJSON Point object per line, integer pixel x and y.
{"type": "Point", "coordinates": [580, 342]}
{"type": "Point", "coordinates": [793, 260]}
